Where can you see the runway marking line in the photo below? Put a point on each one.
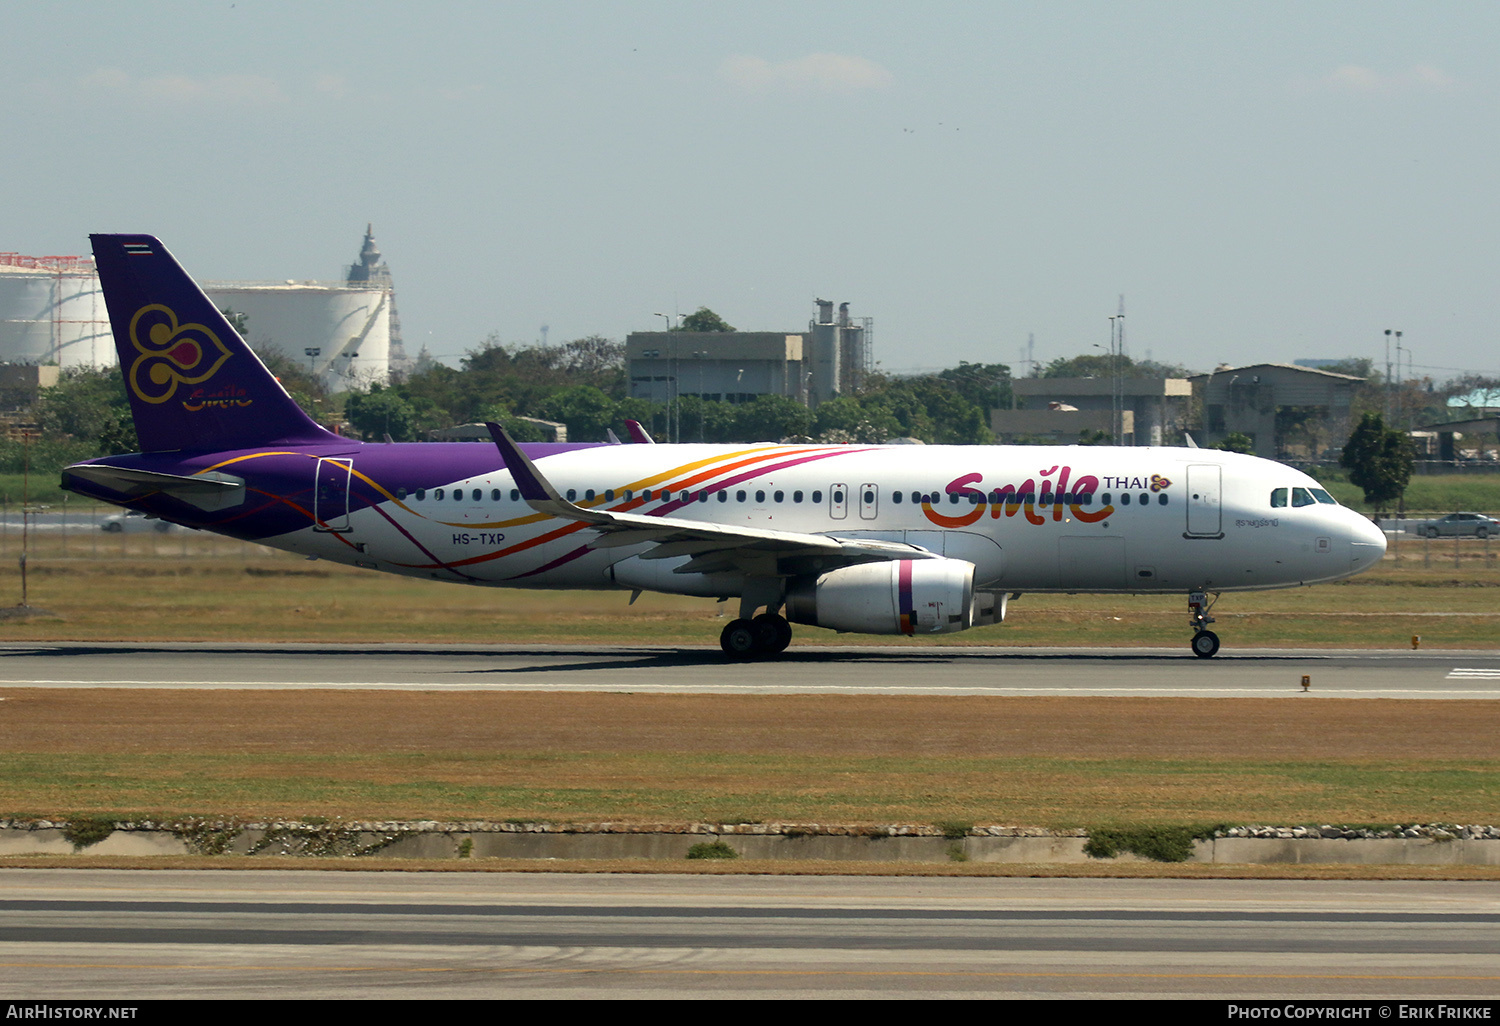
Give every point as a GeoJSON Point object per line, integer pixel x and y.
{"type": "Point", "coordinates": [1251, 690]}
{"type": "Point", "coordinates": [755, 972]}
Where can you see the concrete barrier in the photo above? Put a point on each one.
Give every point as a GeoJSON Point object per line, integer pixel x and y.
{"type": "Point", "coordinates": [1473, 846]}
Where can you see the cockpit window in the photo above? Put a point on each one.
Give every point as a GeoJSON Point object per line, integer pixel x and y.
{"type": "Point", "coordinates": [1324, 497]}
{"type": "Point", "coordinates": [1302, 497]}
{"type": "Point", "coordinates": [1278, 498]}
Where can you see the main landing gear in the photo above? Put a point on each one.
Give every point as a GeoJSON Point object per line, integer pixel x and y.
{"type": "Point", "coordinates": [1205, 642]}
{"type": "Point", "coordinates": [766, 635]}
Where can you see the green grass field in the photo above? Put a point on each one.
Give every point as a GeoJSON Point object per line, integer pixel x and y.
{"type": "Point", "coordinates": [98, 753]}
{"type": "Point", "coordinates": [191, 587]}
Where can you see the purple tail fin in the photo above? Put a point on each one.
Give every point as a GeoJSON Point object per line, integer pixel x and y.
{"type": "Point", "coordinates": [193, 383]}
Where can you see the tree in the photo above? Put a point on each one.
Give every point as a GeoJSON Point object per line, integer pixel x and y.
{"type": "Point", "coordinates": [1236, 441]}
{"type": "Point", "coordinates": [986, 385]}
{"type": "Point", "coordinates": [238, 321]}
{"type": "Point", "coordinates": [379, 412]}
{"type": "Point", "coordinates": [586, 410]}
{"type": "Point", "coordinates": [770, 418]}
{"type": "Point", "coordinates": [703, 319]}
{"type": "Point", "coordinates": [85, 404]}
{"type": "Point", "coordinates": [1379, 460]}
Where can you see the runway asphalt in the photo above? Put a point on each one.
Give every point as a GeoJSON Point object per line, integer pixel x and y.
{"type": "Point", "coordinates": [122, 935]}
{"type": "Point", "coordinates": [1425, 674]}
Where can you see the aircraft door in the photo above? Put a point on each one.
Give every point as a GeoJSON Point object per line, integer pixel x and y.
{"type": "Point", "coordinates": [838, 501]}
{"type": "Point", "coordinates": [1204, 512]}
{"type": "Point", "coordinates": [331, 495]}
{"type": "Point", "coordinates": [869, 501]}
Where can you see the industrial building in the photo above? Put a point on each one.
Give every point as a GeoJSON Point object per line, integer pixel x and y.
{"type": "Point", "coordinates": [1136, 411]}
{"type": "Point", "coordinates": [833, 357]}
{"type": "Point", "coordinates": [346, 332]}
{"type": "Point", "coordinates": [1247, 400]}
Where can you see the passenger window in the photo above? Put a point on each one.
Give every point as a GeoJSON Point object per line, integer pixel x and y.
{"type": "Point", "coordinates": [645, 495]}
{"type": "Point", "coordinates": [400, 493]}
{"type": "Point", "coordinates": [1124, 498]}
{"type": "Point", "coordinates": [760, 496]}
{"type": "Point", "coordinates": [609, 495]}
{"type": "Point", "coordinates": [515, 495]}
{"type": "Point", "coordinates": [1278, 498]}
{"type": "Point", "coordinates": [723, 495]}
{"type": "Point", "coordinates": [1104, 499]}
{"type": "Point", "coordinates": [817, 496]}
{"type": "Point", "coordinates": [572, 494]}
{"type": "Point", "coordinates": [1302, 497]}
{"type": "Point", "coordinates": [588, 496]}
{"type": "Point", "coordinates": [1145, 499]}
{"type": "Point", "coordinates": [896, 497]}
{"type": "Point", "coordinates": [739, 496]}
{"type": "Point", "coordinates": [478, 494]}
{"type": "Point", "coordinates": [437, 493]}
{"type": "Point", "coordinates": [421, 494]}
{"type": "Point", "coordinates": [796, 496]}
{"type": "Point", "coordinates": [953, 498]}
{"type": "Point", "coordinates": [838, 496]}
{"type": "Point", "coordinates": [1161, 500]}
{"type": "Point", "coordinates": [779, 496]}
{"type": "Point", "coordinates": [703, 496]}
{"type": "Point", "coordinates": [685, 497]}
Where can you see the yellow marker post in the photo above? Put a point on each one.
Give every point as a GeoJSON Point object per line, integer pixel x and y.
{"type": "Point", "coordinates": [1306, 681]}
{"type": "Point", "coordinates": [1416, 641]}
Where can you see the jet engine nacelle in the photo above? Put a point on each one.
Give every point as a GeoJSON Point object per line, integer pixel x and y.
{"type": "Point", "coordinates": [907, 596]}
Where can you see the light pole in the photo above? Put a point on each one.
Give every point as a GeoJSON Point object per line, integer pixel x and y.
{"type": "Point", "coordinates": [698, 356]}
{"type": "Point", "coordinates": [312, 353]}
{"type": "Point", "coordinates": [1388, 393]}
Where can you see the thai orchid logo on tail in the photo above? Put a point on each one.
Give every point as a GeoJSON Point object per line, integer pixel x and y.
{"type": "Point", "coordinates": [171, 354]}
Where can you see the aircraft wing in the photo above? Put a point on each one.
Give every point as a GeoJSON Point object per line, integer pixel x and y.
{"type": "Point", "coordinates": [713, 547]}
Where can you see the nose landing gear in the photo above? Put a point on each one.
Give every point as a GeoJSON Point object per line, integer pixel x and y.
{"type": "Point", "coordinates": [1205, 642]}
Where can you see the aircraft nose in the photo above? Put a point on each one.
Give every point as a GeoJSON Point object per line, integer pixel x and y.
{"type": "Point", "coordinates": [1366, 544]}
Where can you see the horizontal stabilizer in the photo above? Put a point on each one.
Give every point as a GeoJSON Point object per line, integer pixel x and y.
{"type": "Point", "coordinates": [205, 491]}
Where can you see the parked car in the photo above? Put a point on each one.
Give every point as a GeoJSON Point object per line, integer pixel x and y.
{"type": "Point", "coordinates": [132, 521]}
{"type": "Point", "coordinates": [1477, 524]}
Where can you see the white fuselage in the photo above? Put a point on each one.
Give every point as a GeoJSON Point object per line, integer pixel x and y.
{"type": "Point", "coordinates": [1030, 518]}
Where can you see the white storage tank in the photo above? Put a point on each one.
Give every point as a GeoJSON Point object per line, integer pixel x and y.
{"type": "Point", "coordinates": [347, 327]}
{"type": "Point", "coordinates": [52, 312]}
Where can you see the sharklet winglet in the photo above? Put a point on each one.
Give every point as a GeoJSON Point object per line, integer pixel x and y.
{"type": "Point", "coordinates": [535, 489]}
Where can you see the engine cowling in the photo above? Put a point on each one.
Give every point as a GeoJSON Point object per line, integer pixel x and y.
{"type": "Point", "coordinates": [906, 596]}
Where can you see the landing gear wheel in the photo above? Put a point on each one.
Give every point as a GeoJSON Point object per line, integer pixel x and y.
{"type": "Point", "coordinates": [740, 639]}
{"type": "Point", "coordinates": [1205, 644]}
{"type": "Point", "coordinates": [775, 633]}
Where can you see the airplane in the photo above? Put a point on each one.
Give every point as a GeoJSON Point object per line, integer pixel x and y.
{"type": "Point", "coordinates": [871, 539]}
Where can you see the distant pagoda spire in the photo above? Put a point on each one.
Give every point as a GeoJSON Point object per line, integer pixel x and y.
{"type": "Point", "coordinates": [372, 270]}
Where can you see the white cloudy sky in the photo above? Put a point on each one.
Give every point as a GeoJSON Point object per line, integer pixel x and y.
{"type": "Point", "coordinates": [1266, 180]}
